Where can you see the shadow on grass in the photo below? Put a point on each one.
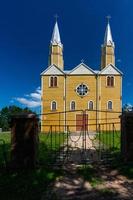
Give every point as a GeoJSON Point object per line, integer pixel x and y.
{"type": "Point", "coordinates": [27, 185]}
{"type": "Point", "coordinates": [89, 173]}
{"type": "Point", "coordinates": [124, 168]}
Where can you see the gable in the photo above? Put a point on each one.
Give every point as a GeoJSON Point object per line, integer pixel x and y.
{"type": "Point", "coordinates": [82, 69]}
{"type": "Point", "coordinates": [111, 69]}
{"type": "Point", "coordinates": [51, 70]}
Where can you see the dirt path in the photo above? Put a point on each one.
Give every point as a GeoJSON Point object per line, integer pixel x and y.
{"type": "Point", "coordinates": [72, 186]}
{"type": "Point", "coordinates": [97, 182]}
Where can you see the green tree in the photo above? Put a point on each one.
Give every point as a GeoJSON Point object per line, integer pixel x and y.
{"type": "Point", "coordinates": [7, 112]}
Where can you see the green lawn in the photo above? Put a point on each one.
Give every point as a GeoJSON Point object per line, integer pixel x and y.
{"type": "Point", "coordinates": [49, 145]}
{"type": "Point", "coordinates": [30, 185]}
{"type": "Point", "coordinates": [109, 140]}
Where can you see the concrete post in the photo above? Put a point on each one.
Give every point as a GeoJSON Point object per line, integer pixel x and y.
{"type": "Point", "coordinates": [24, 140]}
{"type": "Point", "coordinates": [127, 136]}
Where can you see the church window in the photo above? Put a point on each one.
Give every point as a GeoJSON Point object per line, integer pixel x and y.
{"type": "Point", "coordinates": [53, 81]}
{"type": "Point", "coordinates": [82, 90]}
{"type": "Point", "coordinates": [72, 105]}
{"type": "Point", "coordinates": [90, 105]}
{"type": "Point", "coordinates": [53, 105]}
{"type": "Point", "coordinates": [110, 81]}
{"type": "Point", "coordinates": [109, 105]}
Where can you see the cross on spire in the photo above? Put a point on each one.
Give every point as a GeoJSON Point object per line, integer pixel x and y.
{"type": "Point", "coordinates": [82, 60]}
{"type": "Point", "coordinates": [108, 18]}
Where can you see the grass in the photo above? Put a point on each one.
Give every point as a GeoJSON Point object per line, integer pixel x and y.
{"type": "Point", "coordinates": [125, 169]}
{"type": "Point", "coordinates": [49, 145]}
{"type": "Point", "coordinates": [110, 140]}
{"type": "Point", "coordinates": [90, 174]}
{"type": "Point", "coordinates": [5, 144]}
{"type": "Point", "coordinates": [29, 184]}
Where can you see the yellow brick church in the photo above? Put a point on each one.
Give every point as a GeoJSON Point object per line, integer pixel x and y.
{"type": "Point", "coordinates": [70, 98]}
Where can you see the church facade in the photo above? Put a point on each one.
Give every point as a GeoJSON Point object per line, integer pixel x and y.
{"type": "Point", "coordinates": [70, 97]}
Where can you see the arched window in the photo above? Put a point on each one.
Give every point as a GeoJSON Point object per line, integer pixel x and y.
{"type": "Point", "coordinates": [53, 105]}
{"type": "Point", "coordinates": [72, 105]}
{"type": "Point", "coordinates": [53, 81]}
{"type": "Point", "coordinates": [90, 105]}
{"type": "Point", "coordinates": [109, 105]}
{"type": "Point", "coordinates": [110, 81]}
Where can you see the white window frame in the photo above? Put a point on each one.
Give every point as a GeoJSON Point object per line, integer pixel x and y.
{"type": "Point", "coordinates": [71, 105]}
{"type": "Point", "coordinates": [89, 104]}
{"type": "Point", "coordinates": [106, 81]}
{"type": "Point", "coordinates": [108, 105]}
{"type": "Point", "coordinates": [52, 105]}
{"type": "Point", "coordinates": [87, 88]}
{"type": "Point", "coordinates": [50, 81]}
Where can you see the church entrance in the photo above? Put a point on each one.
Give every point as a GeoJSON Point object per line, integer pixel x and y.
{"type": "Point", "coordinates": [81, 122]}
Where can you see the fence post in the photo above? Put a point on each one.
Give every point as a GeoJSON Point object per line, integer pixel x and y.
{"type": "Point", "coordinates": [24, 140]}
{"type": "Point", "coordinates": [127, 136]}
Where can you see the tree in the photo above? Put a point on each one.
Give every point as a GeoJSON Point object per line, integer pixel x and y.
{"type": "Point", "coordinates": [127, 108]}
{"type": "Point", "coordinates": [7, 112]}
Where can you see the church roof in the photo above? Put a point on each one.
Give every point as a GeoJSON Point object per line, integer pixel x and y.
{"type": "Point", "coordinates": [56, 40]}
{"type": "Point", "coordinates": [110, 69]}
{"type": "Point", "coordinates": [108, 40]}
{"type": "Point", "coordinates": [52, 70]}
{"type": "Point", "coordinates": [82, 68]}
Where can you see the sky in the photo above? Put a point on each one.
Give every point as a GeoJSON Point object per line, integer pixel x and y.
{"type": "Point", "coordinates": [25, 32]}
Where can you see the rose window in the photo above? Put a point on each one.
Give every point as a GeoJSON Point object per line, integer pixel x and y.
{"type": "Point", "coordinates": [82, 90]}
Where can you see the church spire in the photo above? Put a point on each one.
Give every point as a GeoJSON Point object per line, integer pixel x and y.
{"type": "Point", "coordinates": [108, 47]}
{"type": "Point", "coordinates": [56, 48]}
{"type": "Point", "coordinates": [55, 40]}
{"type": "Point", "coordinates": [108, 36]}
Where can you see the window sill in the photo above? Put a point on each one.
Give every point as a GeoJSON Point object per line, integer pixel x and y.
{"type": "Point", "coordinates": [110, 86]}
{"type": "Point", "coordinates": [53, 86]}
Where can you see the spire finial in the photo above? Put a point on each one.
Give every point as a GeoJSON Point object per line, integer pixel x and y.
{"type": "Point", "coordinates": [108, 18]}
{"type": "Point", "coordinates": [56, 17]}
{"type": "Point", "coordinates": [108, 36]}
{"type": "Point", "coordinates": [56, 35]}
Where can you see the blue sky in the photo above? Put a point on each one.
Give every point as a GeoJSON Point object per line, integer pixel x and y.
{"type": "Point", "coordinates": [25, 32]}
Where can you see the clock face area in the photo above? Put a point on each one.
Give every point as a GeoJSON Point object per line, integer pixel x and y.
{"type": "Point", "coordinates": [82, 90]}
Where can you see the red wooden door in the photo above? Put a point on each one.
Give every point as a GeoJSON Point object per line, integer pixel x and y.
{"type": "Point", "coordinates": [81, 122]}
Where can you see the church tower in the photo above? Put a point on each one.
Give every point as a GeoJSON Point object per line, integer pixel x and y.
{"type": "Point", "coordinates": [108, 48]}
{"type": "Point", "coordinates": [56, 49]}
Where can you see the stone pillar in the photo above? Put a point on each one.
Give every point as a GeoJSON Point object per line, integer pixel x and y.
{"type": "Point", "coordinates": [24, 140]}
{"type": "Point", "coordinates": [127, 136]}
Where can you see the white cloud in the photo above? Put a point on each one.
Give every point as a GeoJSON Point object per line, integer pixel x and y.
{"type": "Point", "coordinates": [31, 100]}
{"type": "Point", "coordinates": [35, 95]}
{"type": "Point", "coordinates": [28, 103]}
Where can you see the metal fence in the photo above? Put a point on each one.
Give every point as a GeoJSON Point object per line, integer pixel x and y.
{"type": "Point", "coordinates": [78, 137]}
{"type": "Point", "coordinates": [81, 136]}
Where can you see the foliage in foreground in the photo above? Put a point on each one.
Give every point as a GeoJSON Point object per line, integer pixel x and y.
{"type": "Point", "coordinates": [90, 174]}
{"type": "Point", "coordinates": [7, 112]}
{"type": "Point", "coordinates": [28, 184]}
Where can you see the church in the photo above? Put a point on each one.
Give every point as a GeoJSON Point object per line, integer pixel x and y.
{"type": "Point", "coordinates": [70, 98]}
